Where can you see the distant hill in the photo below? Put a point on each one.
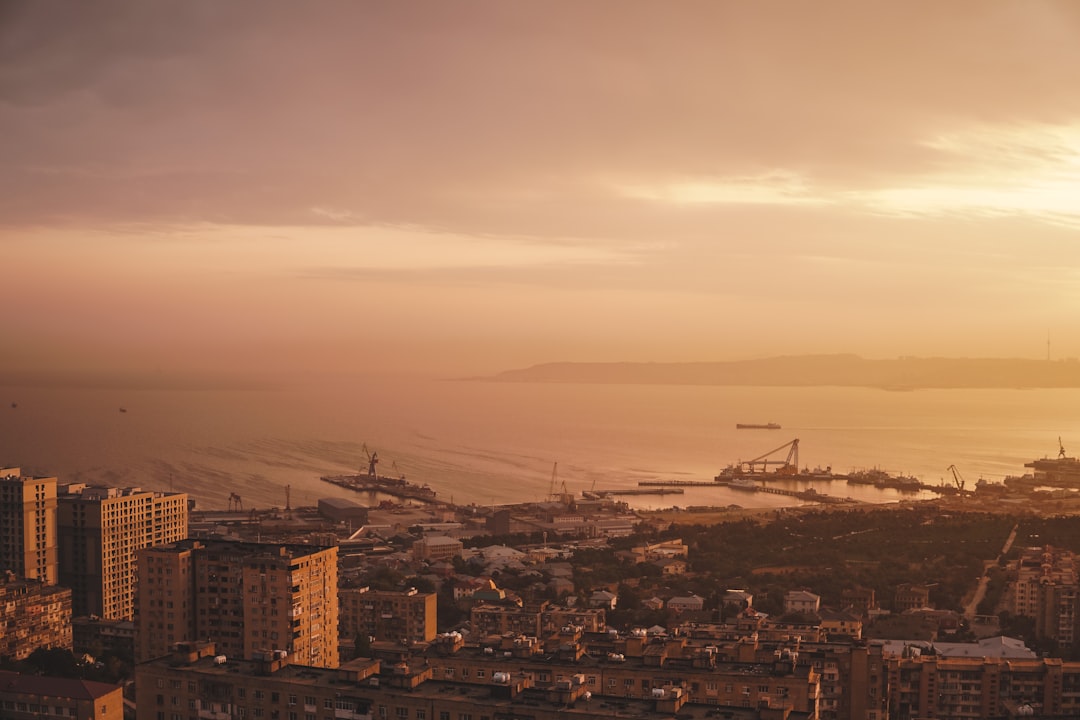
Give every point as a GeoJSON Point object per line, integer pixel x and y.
{"type": "Point", "coordinates": [908, 373]}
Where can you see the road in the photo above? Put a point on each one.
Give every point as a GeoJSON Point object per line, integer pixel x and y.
{"type": "Point", "coordinates": [980, 591]}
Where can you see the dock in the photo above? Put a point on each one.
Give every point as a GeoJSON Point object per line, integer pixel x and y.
{"type": "Point", "coordinates": [677, 483]}
{"type": "Point", "coordinates": [640, 491]}
{"type": "Point", "coordinates": [395, 487]}
{"type": "Point", "coordinates": [810, 495]}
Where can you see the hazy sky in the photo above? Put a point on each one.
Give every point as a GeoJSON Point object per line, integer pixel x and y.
{"type": "Point", "coordinates": [471, 186]}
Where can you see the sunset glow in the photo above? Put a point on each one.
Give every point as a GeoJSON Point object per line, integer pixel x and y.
{"type": "Point", "coordinates": [484, 185]}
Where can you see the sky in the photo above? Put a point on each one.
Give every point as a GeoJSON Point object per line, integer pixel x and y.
{"type": "Point", "coordinates": [468, 187]}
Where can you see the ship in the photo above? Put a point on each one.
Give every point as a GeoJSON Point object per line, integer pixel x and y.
{"type": "Point", "coordinates": [1062, 471]}
{"type": "Point", "coordinates": [757, 426]}
{"type": "Point", "coordinates": [881, 479]}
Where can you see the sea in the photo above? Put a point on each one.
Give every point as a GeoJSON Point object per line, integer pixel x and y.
{"type": "Point", "coordinates": [491, 443]}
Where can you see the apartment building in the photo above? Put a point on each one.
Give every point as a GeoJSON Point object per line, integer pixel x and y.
{"type": "Point", "coordinates": [391, 615]}
{"type": "Point", "coordinates": [246, 597]}
{"type": "Point", "coordinates": [633, 668]}
{"type": "Point", "coordinates": [199, 683]}
{"type": "Point", "coordinates": [28, 525]}
{"type": "Point", "coordinates": [32, 697]}
{"type": "Point", "coordinates": [33, 615]}
{"type": "Point", "coordinates": [1047, 589]}
{"type": "Point", "coordinates": [100, 531]}
{"type": "Point", "coordinates": [982, 688]}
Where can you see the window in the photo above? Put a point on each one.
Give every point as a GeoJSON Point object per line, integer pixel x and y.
{"type": "Point", "coordinates": [382, 711]}
{"type": "Point", "coordinates": [292, 699]}
{"type": "Point", "coordinates": [402, 713]}
{"type": "Point", "coordinates": [443, 715]}
{"type": "Point", "coordinates": [421, 714]}
{"type": "Point", "coordinates": [480, 672]}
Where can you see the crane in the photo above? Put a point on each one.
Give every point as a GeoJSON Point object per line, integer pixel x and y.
{"type": "Point", "coordinates": [554, 478]}
{"type": "Point", "coordinates": [1061, 448]}
{"type": "Point", "coordinates": [234, 502]}
{"type": "Point", "coordinates": [788, 466]}
{"type": "Point", "coordinates": [958, 479]}
{"type": "Point", "coordinates": [373, 461]}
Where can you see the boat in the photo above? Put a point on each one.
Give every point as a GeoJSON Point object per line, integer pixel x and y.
{"type": "Point", "coordinates": [1062, 471]}
{"type": "Point", "coordinates": [881, 479]}
{"type": "Point", "coordinates": [757, 426]}
{"type": "Point", "coordinates": [123, 410]}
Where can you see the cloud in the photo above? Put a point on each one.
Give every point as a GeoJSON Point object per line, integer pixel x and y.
{"type": "Point", "coordinates": [493, 118]}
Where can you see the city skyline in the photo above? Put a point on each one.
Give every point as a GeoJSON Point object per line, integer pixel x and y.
{"type": "Point", "coordinates": [464, 189]}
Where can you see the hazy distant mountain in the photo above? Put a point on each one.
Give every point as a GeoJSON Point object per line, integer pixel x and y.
{"type": "Point", "coordinates": [906, 373]}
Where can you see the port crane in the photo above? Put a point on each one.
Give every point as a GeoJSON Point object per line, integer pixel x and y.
{"type": "Point", "coordinates": [373, 462]}
{"type": "Point", "coordinates": [958, 479]}
{"type": "Point", "coordinates": [788, 466]}
{"type": "Point", "coordinates": [554, 479]}
{"type": "Point", "coordinates": [235, 503]}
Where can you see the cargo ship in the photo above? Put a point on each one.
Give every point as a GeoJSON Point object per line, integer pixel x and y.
{"type": "Point", "coordinates": [1062, 471]}
{"type": "Point", "coordinates": [757, 426]}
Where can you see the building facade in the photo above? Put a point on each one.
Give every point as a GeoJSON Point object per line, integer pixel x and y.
{"type": "Point", "coordinates": [1047, 589]}
{"type": "Point", "coordinates": [204, 685]}
{"type": "Point", "coordinates": [390, 615]}
{"type": "Point", "coordinates": [28, 526]}
{"type": "Point", "coordinates": [32, 697]}
{"type": "Point", "coordinates": [246, 597]}
{"type": "Point", "coordinates": [33, 615]}
{"type": "Point", "coordinates": [100, 533]}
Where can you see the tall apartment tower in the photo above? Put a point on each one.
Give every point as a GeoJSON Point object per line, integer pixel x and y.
{"type": "Point", "coordinates": [100, 530]}
{"type": "Point", "coordinates": [245, 597]}
{"type": "Point", "coordinates": [28, 525]}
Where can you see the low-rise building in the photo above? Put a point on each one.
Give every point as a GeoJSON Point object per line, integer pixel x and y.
{"type": "Point", "coordinates": [686, 603]}
{"type": "Point", "coordinates": [801, 601]}
{"type": "Point", "coordinates": [32, 697]}
{"type": "Point", "coordinates": [436, 547]}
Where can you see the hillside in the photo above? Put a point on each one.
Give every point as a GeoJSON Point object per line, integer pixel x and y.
{"type": "Point", "coordinates": [908, 373]}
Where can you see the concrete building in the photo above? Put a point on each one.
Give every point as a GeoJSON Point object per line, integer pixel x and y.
{"type": "Point", "coordinates": [32, 697]}
{"type": "Point", "coordinates": [801, 601]}
{"type": "Point", "coordinates": [28, 525]}
{"type": "Point", "coordinates": [95, 636]}
{"type": "Point", "coordinates": [1048, 590]}
{"type": "Point", "coordinates": [343, 510]}
{"type": "Point", "coordinates": [100, 531]}
{"type": "Point", "coordinates": [246, 597]}
{"type": "Point", "coordinates": [33, 615]}
{"type": "Point", "coordinates": [410, 688]}
{"type": "Point", "coordinates": [930, 686]}
{"type": "Point", "coordinates": [389, 615]}
{"type": "Point", "coordinates": [911, 597]}
{"type": "Point", "coordinates": [437, 547]}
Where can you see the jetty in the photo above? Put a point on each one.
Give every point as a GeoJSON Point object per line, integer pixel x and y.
{"type": "Point", "coordinates": [395, 487]}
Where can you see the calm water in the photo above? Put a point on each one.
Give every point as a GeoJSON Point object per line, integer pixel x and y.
{"type": "Point", "coordinates": [497, 442]}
